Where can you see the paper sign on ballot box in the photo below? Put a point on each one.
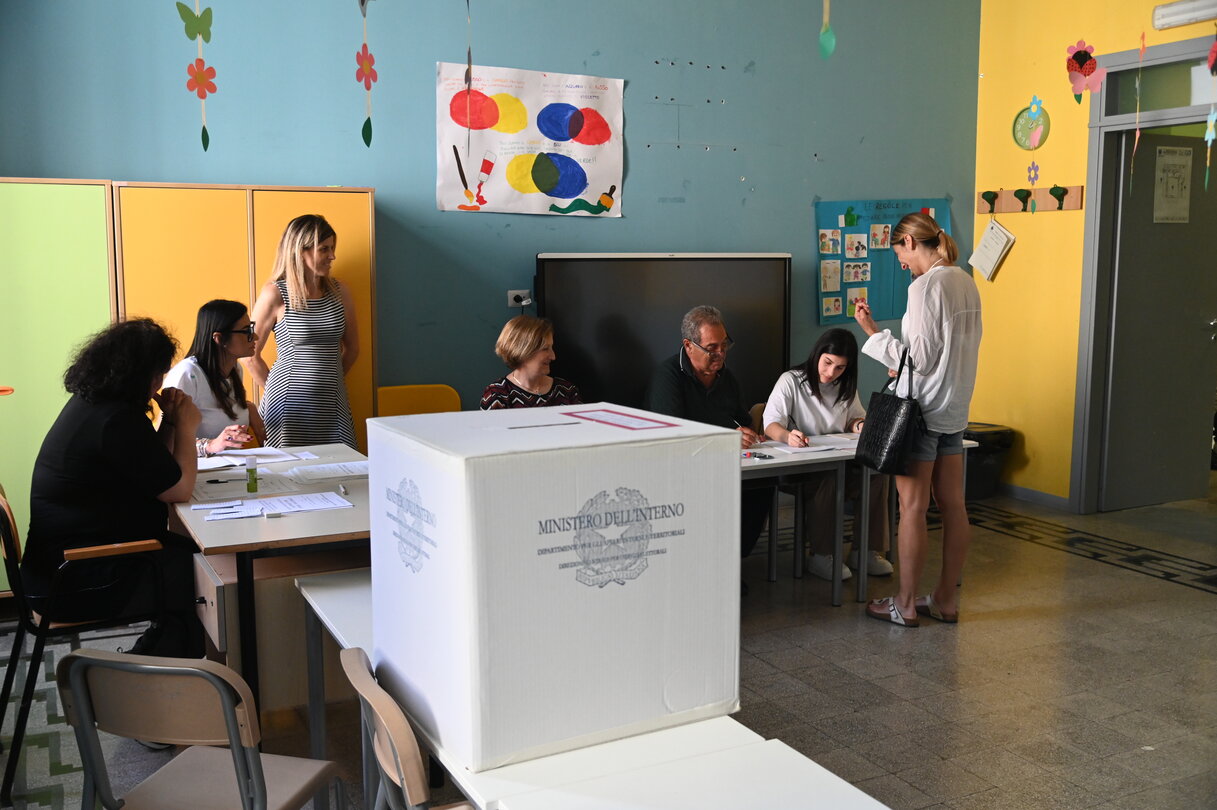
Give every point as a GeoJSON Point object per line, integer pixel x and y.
{"type": "Point", "coordinates": [545, 579]}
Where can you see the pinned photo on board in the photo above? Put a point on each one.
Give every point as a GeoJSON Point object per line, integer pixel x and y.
{"type": "Point", "coordinates": [830, 241]}
{"type": "Point", "coordinates": [880, 237]}
{"type": "Point", "coordinates": [830, 275]}
{"type": "Point", "coordinates": [832, 306]}
{"type": "Point", "coordinates": [854, 295]}
{"type": "Point", "coordinates": [855, 245]}
{"type": "Point", "coordinates": [862, 271]}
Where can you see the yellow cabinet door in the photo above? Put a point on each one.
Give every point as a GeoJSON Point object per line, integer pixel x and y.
{"type": "Point", "coordinates": [350, 212]}
{"type": "Point", "coordinates": [179, 248]}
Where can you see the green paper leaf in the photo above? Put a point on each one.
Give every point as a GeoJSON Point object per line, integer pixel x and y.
{"type": "Point", "coordinates": [828, 42]}
{"type": "Point", "coordinates": [1077, 97]}
{"type": "Point", "coordinates": [206, 139]}
{"type": "Point", "coordinates": [1033, 205]}
{"type": "Point", "coordinates": [367, 132]}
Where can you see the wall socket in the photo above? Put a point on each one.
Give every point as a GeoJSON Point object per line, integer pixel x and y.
{"type": "Point", "coordinates": [519, 298]}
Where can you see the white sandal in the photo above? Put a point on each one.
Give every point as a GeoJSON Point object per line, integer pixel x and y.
{"type": "Point", "coordinates": [885, 610]}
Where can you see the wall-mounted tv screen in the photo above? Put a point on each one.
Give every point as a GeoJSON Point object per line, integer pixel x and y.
{"type": "Point", "coordinates": [617, 315]}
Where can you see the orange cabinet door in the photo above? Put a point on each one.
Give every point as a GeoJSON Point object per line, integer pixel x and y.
{"type": "Point", "coordinates": [350, 212]}
{"type": "Point", "coordinates": [178, 248]}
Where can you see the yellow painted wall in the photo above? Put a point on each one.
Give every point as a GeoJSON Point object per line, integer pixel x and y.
{"type": "Point", "coordinates": [1028, 358]}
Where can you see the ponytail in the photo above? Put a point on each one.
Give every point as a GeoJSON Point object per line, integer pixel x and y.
{"type": "Point", "coordinates": [924, 229]}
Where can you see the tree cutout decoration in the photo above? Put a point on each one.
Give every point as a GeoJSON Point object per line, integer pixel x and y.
{"type": "Point", "coordinates": [366, 74]}
{"type": "Point", "coordinates": [201, 81]}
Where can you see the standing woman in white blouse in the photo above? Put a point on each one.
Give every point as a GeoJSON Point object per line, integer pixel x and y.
{"type": "Point", "coordinates": [820, 396]}
{"type": "Point", "coordinates": [941, 331]}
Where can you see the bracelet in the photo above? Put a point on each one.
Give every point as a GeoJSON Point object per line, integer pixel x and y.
{"type": "Point", "coordinates": [200, 446]}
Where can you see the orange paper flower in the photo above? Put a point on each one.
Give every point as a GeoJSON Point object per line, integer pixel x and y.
{"type": "Point", "coordinates": [200, 80]}
{"type": "Point", "coordinates": [366, 73]}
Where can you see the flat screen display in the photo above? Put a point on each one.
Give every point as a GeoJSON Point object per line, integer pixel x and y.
{"type": "Point", "coordinates": [617, 315]}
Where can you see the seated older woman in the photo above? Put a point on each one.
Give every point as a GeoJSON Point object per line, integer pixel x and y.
{"type": "Point", "coordinates": [106, 475]}
{"type": "Point", "coordinates": [526, 345]}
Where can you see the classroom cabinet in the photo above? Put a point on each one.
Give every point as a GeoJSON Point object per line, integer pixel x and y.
{"type": "Point", "coordinates": [180, 246]}
{"type": "Point", "coordinates": [56, 291]}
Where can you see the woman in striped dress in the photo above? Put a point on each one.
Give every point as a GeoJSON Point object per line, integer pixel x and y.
{"type": "Point", "coordinates": [317, 338]}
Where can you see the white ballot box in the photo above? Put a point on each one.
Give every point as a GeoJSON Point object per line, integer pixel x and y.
{"type": "Point", "coordinates": [550, 578]}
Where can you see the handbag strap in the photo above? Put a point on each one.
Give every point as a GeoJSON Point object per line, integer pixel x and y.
{"type": "Point", "coordinates": [904, 356]}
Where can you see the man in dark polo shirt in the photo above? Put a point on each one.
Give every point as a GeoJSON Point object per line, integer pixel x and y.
{"type": "Point", "coordinates": [696, 384]}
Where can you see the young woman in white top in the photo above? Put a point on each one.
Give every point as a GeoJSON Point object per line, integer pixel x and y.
{"type": "Point", "coordinates": [818, 397]}
{"type": "Point", "coordinates": [209, 375]}
{"type": "Point", "coordinates": [941, 331]}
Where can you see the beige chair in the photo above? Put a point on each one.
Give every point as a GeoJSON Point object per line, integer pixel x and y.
{"type": "Point", "coordinates": [183, 701]}
{"type": "Point", "coordinates": [399, 400]}
{"type": "Point", "coordinates": [403, 783]}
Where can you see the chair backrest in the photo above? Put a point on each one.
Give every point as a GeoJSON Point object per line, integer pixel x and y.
{"type": "Point", "coordinates": [757, 412]}
{"type": "Point", "coordinates": [397, 755]}
{"type": "Point", "coordinates": [398, 400]}
{"type": "Point", "coordinates": [10, 546]}
{"type": "Point", "coordinates": [183, 701]}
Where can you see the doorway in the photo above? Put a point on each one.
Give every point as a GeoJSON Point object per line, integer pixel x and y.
{"type": "Point", "coordinates": [1147, 360]}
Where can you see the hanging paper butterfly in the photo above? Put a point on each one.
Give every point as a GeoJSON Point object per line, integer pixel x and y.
{"type": "Point", "coordinates": [197, 25]}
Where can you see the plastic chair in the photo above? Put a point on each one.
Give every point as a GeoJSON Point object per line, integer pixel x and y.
{"type": "Point", "coordinates": [182, 701]}
{"type": "Point", "coordinates": [42, 628]}
{"type": "Point", "coordinates": [403, 783]}
{"type": "Point", "coordinates": [399, 400]}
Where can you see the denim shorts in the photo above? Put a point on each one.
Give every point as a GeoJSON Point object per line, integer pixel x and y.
{"type": "Point", "coordinates": [928, 445]}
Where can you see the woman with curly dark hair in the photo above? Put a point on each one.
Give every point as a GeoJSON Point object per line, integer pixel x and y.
{"type": "Point", "coordinates": [106, 475]}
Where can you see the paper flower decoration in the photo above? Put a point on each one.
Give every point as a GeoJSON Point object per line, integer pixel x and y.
{"type": "Point", "coordinates": [1033, 173]}
{"type": "Point", "coordinates": [1033, 109]}
{"type": "Point", "coordinates": [1084, 71]}
{"type": "Point", "coordinates": [200, 80]}
{"type": "Point", "coordinates": [1213, 59]}
{"type": "Point", "coordinates": [1210, 127]}
{"type": "Point", "coordinates": [366, 73]}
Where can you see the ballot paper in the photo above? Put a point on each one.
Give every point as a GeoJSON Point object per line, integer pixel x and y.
{"type": "Point", "coordinates": [233, 512]}
{"type": "Point", "coordinates": [327, 472]}
{"type": "Point", "coordinates": [818, 444]}
{"type": "Point", "coordinates": [264, 455]}
{"type": "Point", "coordinates": [303, 502]}
{"type": "Point", "coordinates": [218, 463]}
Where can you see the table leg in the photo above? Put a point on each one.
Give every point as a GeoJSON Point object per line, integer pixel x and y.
{"type": "Point", "coordinates": [862, 533]}
{"type": "Point", "coordinates": [316, 696]}
{"type": "Point", "coordinates": [773, 537]}
{"type": "Point", "coordinates": [799, 551]}
{"type": "Point", "coordinates": [838, 547]}
{"type": "Point", "coordinates": [247, 622]}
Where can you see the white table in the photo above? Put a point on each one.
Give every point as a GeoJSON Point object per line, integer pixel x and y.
{"type": "Point", "coordinates": [767, 774]}
{"type": "Point", "coordinates": [248, 538]}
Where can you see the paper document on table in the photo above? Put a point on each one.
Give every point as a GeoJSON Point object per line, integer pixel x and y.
{"type": "Point", "coordinates": [234, 512]}
{"type": "Point", "coordinates": [265, 455]}
{"type": "Point", "coordinates": [325, 472]}
{"type": "Point", "coordinates": [217, 463]}
{"type": "Point", "coordinates": [268, 484]}
{"type": "Point", "coordinates": [304, 502]}
{"type": "Point", "coordinates": [818, 444]}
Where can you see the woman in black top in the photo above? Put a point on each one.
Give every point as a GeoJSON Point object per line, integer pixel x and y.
{"type": "Point", "coordinates": [106, 475]}
{"type": "Point", "coordinates": [526, 346]}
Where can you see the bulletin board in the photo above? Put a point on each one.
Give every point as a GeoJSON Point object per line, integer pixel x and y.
{"type": "Point", "coordinates": [854, 258]}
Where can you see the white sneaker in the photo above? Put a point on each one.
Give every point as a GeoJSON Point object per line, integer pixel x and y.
{"type": "Point", "coordinates": [821, 566]}
{"type": "Point", "coordinates": [876, 566]}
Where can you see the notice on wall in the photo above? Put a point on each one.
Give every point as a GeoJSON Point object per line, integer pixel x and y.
{"type": "Point", "coordinates": [1172, 184]}
{"type": "Point", "coordinates": [527, 142]}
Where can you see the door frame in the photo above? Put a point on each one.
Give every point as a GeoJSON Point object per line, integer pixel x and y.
{"type": "Point", "coordinates": [1100, 246]}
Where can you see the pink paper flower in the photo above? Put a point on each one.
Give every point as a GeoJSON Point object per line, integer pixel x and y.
{"type": "Point", "coordinates": [1084, 71]}
{"type": "Point", "coordinates": [200, 80]}
{"type": "Point", "coordinates": [366, 73]}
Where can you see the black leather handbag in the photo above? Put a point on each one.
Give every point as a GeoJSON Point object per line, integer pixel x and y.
{"type": "Point", "coordinates": [887, 434]}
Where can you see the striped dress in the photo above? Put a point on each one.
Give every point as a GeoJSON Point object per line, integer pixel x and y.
{"type": "Point", "coordinates": [306, 398]}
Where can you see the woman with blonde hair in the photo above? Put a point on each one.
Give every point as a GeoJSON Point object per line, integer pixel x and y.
{"type": "Point", "coordinates": [312, 316]}
{"type": "Point", "coordinates": [526, 345]}
{"type": "Point", "coordinates": [941, 333]}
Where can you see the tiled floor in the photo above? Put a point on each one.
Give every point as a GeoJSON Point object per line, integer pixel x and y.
{"type": "Point", "coordinates": [1082, 673]}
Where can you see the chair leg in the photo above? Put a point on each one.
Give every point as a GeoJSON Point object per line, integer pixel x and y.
{"type": "Point", "coordinates": [23, 716]}
{"type": "Point", "coordinates": [10, 674]}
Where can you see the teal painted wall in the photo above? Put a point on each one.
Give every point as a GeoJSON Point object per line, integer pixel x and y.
{"type": "Point", "coordinates": [97, 89]}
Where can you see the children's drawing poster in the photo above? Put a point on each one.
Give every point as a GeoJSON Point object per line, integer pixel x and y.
{"type": "Point", "coordinates": [527, 142]}
{"type": "Point", "coordinates": [852, 246]}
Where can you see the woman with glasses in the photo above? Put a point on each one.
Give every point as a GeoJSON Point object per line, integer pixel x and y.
{"type": "Point", "coordinates": [526, 345]}
{"type": "Point", "coordinates": [817, 397]}
{"type": "Point", "coordinates": [941, 333]}
{"type": "Point", "coordinates": [208, 374]}
{"type": "Point", "coordinates": [312, 315]}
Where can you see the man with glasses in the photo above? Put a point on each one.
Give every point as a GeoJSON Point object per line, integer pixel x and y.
{"type": "Point", "coordinates": [696, 384]}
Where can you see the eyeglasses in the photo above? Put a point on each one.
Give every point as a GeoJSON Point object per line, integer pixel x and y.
{"type": "Point", "coordinates": [715, 348]}
{"type": "Point", "coordinates": [248, 331]}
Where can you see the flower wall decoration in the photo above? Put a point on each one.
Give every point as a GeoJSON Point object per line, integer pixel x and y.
{"type": "Point", "coordinates": [1084, 71]}
{"type": "Point", "coordinates": [1034, 108]}
{"type": "Point", "coordinates": [1210, 132]}
{"type": "Point", "coordinates": [366, 74]}
{"type": "Point", "coordinates": [201, 81]}
{"type": "Point", "coordinates": [1033, 173]}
